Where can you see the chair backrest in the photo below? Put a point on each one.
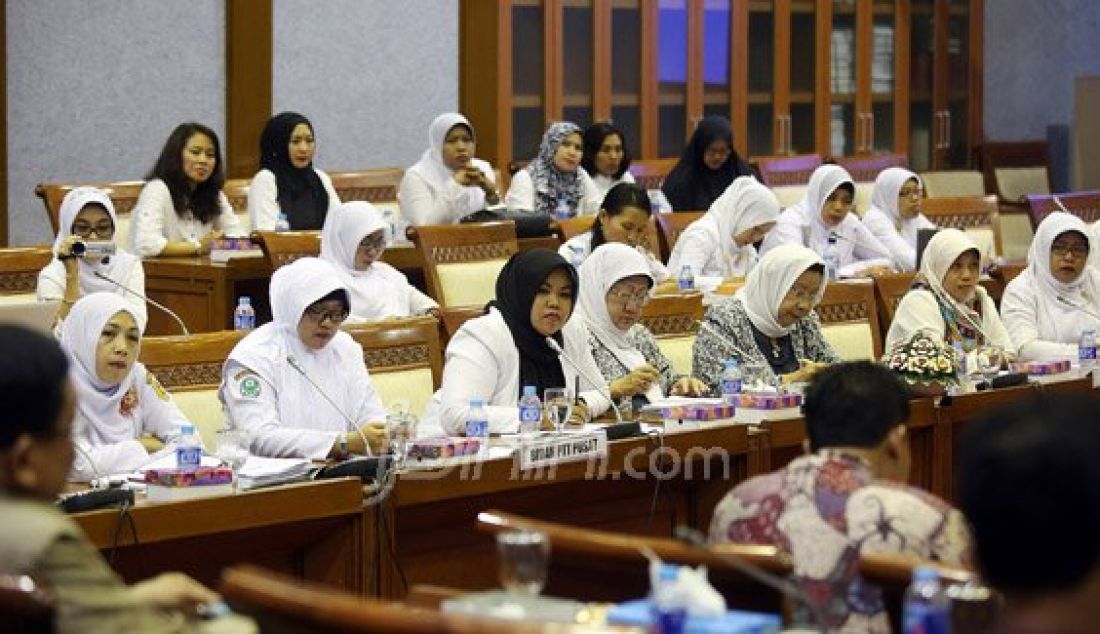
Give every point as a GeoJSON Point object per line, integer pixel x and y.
{"type": "Point", "coordinates": [788, 195]}
{"type": "Point", "coordinates": [849, 320]}
{"type": "Point", "coordinates": [283, 247]}
{"type": "Point", "coordinates": [190, 367]}
{"type": "Point", "coordinates": [975, 215]}
{"type": "Point", "coordinates": [787, 170]}
{"type": "Point", "coordinates": [952, 183]}
{"type": "Point", "coordinates": [861, 202]}
{"type": "Point", "coordinates": [864, 169]}
{"type": "Point", "coordinates": [1084, 205]}
{"type": "Point", "coordinates": [671, 226]}
{"type": "Point", "coordinates": [651, 173]}
{"type": "Point", "coordinates": [674, 321]}
{"type": "Point", "coordinates": [19, 268]}
{"type": "Point", "coordinates": [455, 316]}
{"type": "Point", "coordinates": [575, 226]}
{"type": "Point", "coordinates": [26, 608]}
{"type": "Point", "coordinates": [374, 185]}
{"type": "Point", "coordinates": [123, 194]}
{"type": "Point", "coordinates": [973, 609]}
{"type": "Point", "coordinates": [584, 560]}
{"type": "Point", "coordinates": [461, 262]}
{"type": "Point", "coordinates": [1013, 170]}
{"type": "Point", "coordinates": [889, 289]}
{"type": "Point", "coordinates": [404, 357]}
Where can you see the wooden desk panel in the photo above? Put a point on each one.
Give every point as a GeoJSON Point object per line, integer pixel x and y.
{"type": "Point", "coordinates": [311, 530]}
{"type": "Point", "coordinates": [204, 293]}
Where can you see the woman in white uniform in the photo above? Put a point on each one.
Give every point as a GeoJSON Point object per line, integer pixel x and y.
{"type": "Point", "coordinates": [298, 385]}
{"type": "Point", "coordinates": [894, 217]}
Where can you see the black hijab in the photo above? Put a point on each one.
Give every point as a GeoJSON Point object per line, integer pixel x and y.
{"type": "Point", "coordinates": [692, 186]}
{"type": "Point", "coordinates": [302, 196]}
{"type": "Point", "coordinates": [517, 285]}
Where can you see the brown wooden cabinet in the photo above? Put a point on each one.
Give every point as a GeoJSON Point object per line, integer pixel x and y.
{"type": "Point", "coordinates": [831, 77]}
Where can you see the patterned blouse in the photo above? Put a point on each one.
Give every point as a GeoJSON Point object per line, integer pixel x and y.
{"type": "Point", "coordinates": [727, 332]}
{"type": "Point", "coordinates": [827, 509]}
{"type": "Point", "coordinates": [644, 342]}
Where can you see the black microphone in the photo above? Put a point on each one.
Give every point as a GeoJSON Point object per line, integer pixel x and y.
{"type": "Point", "coordinates": [550, 341]}
{"type": "Point", "coordinates": [694, 538]}
{"type": "Point", "coordinates": [859, 243]}
{"type": "Point", "coordinates": [162, 307]}
{"type": "Point", "coordinates": [94, 499]}
{"type": "Point", "coordinates": [347, 419]}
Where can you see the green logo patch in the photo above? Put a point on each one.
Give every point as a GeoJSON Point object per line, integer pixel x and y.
{"type": "Point", "coordinates": [250, 387]}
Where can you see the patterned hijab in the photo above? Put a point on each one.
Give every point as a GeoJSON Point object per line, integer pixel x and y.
{"type": "Point", "coordinates": [549, 182]}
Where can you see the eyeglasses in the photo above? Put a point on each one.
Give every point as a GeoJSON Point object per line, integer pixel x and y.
{"type": "Point", "coordinates": [1076, 250]}
{"type": "Point", "coordinates": [319, 316]}
{"type": "Point", "coordinates": [101, 230]}
{"type": "Point", "coordinates": [628, 298]}
{"type": "Point", "coordinates": [909, 193]}
{"type": "Point", "coordinates": [373, 245]}
{"type": "Point", "coordinates": [801, 295]}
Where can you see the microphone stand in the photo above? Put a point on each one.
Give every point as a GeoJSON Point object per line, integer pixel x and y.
{"type": "Point", "coordinates": [146, 299]}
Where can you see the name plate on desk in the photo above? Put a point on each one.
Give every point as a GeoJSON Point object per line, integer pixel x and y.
{"type": "Point", "coordinates": [545, 451]}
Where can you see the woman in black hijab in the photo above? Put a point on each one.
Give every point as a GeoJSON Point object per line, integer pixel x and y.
{"type": "Point", "coordinates": [707, 167]}
{"type": "Point", "coordinates": [495, 356]}
{"type": "Point", "coordinates": [287, 182]}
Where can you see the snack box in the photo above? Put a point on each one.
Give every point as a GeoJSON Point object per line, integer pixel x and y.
{"type": "Point", "coordinates": [203, 476]}
{"type": "Point", "coordinates": [436, 448]}
{"type": "Point", "coordinates": [768, 400]}
{"type": "Point", "coordinates": [1043, 367]}
{"type": "Point", "coordinates": [697, 412]}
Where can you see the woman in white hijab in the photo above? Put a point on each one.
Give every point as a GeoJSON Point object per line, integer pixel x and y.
{"type": "Point", "coordinates": [946, 300]}
{"type": "Point", "coordinates": [770, 322]}
{"type": "Point", "coordinates": [88, 215]}
{"type": "Point", "coordinates": [298, 385]}
{"type": "Point", "coordinates": [720, 244]}
{"type": "Point", "coordinates": [615, 282]}
{"type": "Point", "coordinates": [447, 182]}
{"type": "Point", "coordinates": [352, 240]}
{"type": "Point", "coordinates": [122, 412]}
{"type": "Point", "coordinates": [1049, 305]}
{"type": "Point", "coordinates": [894, 217]}
{"type": "Point", "coordinates": [826, 210]}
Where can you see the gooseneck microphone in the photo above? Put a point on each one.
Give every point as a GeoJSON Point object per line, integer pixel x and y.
{"type": "Point", "coordinates": [1081, 307]}
{"type": "Point", "coordinates": [347, 419]}
{"type": "Point", "coordinates": [162, 307]}
{"type": "Point", "coordinates": [600, 387]}
{"type": "Point", "coordinates": [866, 245]}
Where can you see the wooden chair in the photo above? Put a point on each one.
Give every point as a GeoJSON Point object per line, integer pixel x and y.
{"type": "Point", "coordinates": [651, 173]}
{"type": "Point", "coordinates": [974, 608]}
{"type": "Point", "coordinates": [865, 169]}
{"type": "Point", "coordinates": [1012, 170]}
{"type": "Point", "coordinates": [279, 603]}
{"type": "Point", "coordinates": [953, 183]}
{"type": "Point", "coordinates": [568, 229]}
{"type": "Point", "coordinates": [26, 608]}
{"type": "Point", "coordinates": [123, 194]}
{"type": "Point", "coordinates": [777, 171]}
{"type": "Point", "coordinates": [19, 268]}
{"type": "Point", "coordinates": [283, 247]}
{"type": "Point", "coordinates": [849, 320]}
{"type": "Point", "coordinates": [455, 316]}
{"type": "Point", "coordinates": [404, 357]}
{"type": "Point", "coordinates": [461, 262]}
{"type": "Point", "coordinates": [374, 185]}
{"type": "Point", "coordinates": [596, 565]}
{"type": "Point", "coordinates": [674, 321]}
{"type": "Point", "coordinates": [670, 227]}
{"type": "Point", "coordinates": [975, 215]}
{"type": "Point", "coordinates": [889, 289]}
{"type": "Point", "coordinates": [1084, 205]}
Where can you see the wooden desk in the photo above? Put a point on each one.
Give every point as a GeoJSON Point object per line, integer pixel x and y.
{"type": "Point", "coordinates": [204, 293]}
{"type": "Point", "coordinates": [312, 530]}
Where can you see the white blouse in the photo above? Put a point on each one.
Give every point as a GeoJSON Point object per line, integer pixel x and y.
{"type": "Point", "coordinates": [605, 183]}
{"type": "Point", "coordinates": [919, 311]}
{"type": "Point", "coordinates": [424, 204]}
{"type": "Point", "coordinates": [263, 199]}
{"type": "Point", "coordinates": [155, 222]}
{"type": "Point", "coordinates": [577, 249]}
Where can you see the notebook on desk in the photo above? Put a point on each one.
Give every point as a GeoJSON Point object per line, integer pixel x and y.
{"type": "Point", "coordinates": [36, 315]}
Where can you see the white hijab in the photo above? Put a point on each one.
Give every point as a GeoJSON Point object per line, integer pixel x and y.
{"type": "Point", "coordinates": [1057, 321]}
{"type": "Point", "coordinates": [884, 197]}
{"type": "Point", "coordinates": [338, 367]}
{"type": "Point", "coordinates": [607, 265]}
{"type": "Point", "coordinates": [431, 166]}
{"type": "Point", "coordinates": [823, 182]}
{"type": "Point", "coordinates": [745, 204]}
{"type": "Point", "coordinates": [117, 267]}
{"type": "Point", "coordinates": [768, 284]}
{"type": "Point", "coordinates": [98, 403]}
{"type": "Point", "coordinates": [379, 291]}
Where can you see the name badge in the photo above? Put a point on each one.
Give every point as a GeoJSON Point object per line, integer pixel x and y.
{"type": "Point", "coordinates": [558, 449]}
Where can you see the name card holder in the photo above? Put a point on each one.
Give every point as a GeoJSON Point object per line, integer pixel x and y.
{"type": "Point", "coordinates": [548, 450]}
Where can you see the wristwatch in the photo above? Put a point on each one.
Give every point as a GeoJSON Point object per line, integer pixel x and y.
{"type": "Point", "coordinates": [197, 245]}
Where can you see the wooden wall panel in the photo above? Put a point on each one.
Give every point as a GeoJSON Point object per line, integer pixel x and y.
{"type": "Point", "coordinates": [248, 49]}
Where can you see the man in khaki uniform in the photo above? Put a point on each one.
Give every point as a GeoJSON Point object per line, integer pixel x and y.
{"type": "Point", "coordinates": [36, 539]}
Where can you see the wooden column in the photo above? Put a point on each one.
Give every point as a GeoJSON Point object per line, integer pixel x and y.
{"type": "Point", "coordinates": [822, 88]}
{"type": "Point", "coordinates": [4, 124]}
{"type": "Point", "coordinates": [650, 113]}
{"type": "Point", "coordinates": [248, 35]}
{"type": "Point", "coordinates": [693, 97]}
{"type": "Point", "coordinates": [601, 61]}
{"type": "Point", "coordinates": [553, 60]}
{"type": "Point", "coordinates": [902, 55]}
{"type": "Point", "coordinates": [739, 75]}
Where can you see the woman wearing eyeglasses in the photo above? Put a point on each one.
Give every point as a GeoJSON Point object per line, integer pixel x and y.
{"type": "Point", "coordinates": [615, 282]}
{"type": "Point", "coordinates": [297, 385]}
{"type": "Point", "coordinates": [1047, 307]}
{"type": "Point", "coordinates": [894, 217]}
{"type": "Point", "coordinates": [352, 240]}
{"type": "Point", "coordinates": [87, 215]}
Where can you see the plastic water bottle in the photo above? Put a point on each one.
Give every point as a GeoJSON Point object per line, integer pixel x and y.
{"type": "Point", "coordinates": [926, 610]}
{"type": "Point", "coordinates": [832, 259]}
{"type": "Point", "coordinates": [477, 424]}
{"type": "Point", "coordinates": [1086, 349]}
{"type": "Point", "coordinates": [530, 411]}
{"type": "Point", "coordinates": [731, 382]}
{"type": "Point", "coordinates": [188, 449]}
{"type": "Point", "coordinates": [391, 225]}
{"type": "Point", "coordinates": [563, 211]}
{"type": "Point", "coordinates": [576, 255]}
{"type": "Point", "coordinates": [281, 223]}
{"type": "Point", "coordinates": [244, 316]}
{"type": "Point", "coordinates": [669, 611]}
{"type": "Point", "coordinates": [686, 281]}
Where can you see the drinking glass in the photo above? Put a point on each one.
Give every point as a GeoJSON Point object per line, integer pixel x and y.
{"type": "Point", "coordinates": [401, 429]}
{"type": "Point", "coordinates": [756, 378]}
{"type": "Point", "coordinates": [990, 359]}
{"type": "Point", "coordinates": [559, 405]}
{"type": "Point", "coordinates": [523, 557]}
{"type": "Point", "coordinates": [231, 448]}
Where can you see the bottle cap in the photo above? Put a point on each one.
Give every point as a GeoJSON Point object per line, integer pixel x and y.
{"type": "Point", "coordinates": [477, 402]}
{"type": "Point", "coordinates": [187, 430]}
{"type": "Point", "coordinates": [529, 390]}
{"type": "Point", "coordinates": [244, 300]}
{"type": "Point", "coordinates": [925, 573]}
{"type": "Point", "coordinates": [731, 362]}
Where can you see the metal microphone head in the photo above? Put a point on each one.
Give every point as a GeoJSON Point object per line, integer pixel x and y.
{"type": "Point", "coordinates": [690, 536]}
{"type": "Point", "coordinates": [554, 345]}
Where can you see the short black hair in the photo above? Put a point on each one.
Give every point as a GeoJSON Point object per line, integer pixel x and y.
{"type": "Point", "coordinates": [33, 374]}
{"type": "Point", "coordinates": [594, 136]}
{"type": "Point", "coordinates": [204, 201]}
{"type": "Point", "coordinates": [854, 404]}
{"type": "Point", "coordinates": [618, 198]}
{"type": "Point", "coordinates": [1022, 471]}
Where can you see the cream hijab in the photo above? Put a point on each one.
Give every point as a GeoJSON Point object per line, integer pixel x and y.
{"type": "Point", "coordinates": [884, 197]}
{"type": "Point", "coordinates": [1057, 321]}
{"type": "Point", "coordinates": [942, 251]}
{"type": "Point", "coordinates": [117, 267]}
{"type": "Point", "coordinates": [600, 271]}
{"type": "Point", "coordinates": [768, 284]}
{"type": "Point", "coordinates": [379, 291]}
{"type": "Point", "coordinates": [431, 166]}
{"type": "Point", "coordinates": [98, 403]}
{"type": "Point", "coordinates": [745, 204]}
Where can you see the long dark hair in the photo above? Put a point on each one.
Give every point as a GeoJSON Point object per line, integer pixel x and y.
{"type": "Point", "coordinates": [593, 140]}
{"type": "Point", "coordinates": [616, 201]}
{"type": "Point", "coordinates": [203, 200]}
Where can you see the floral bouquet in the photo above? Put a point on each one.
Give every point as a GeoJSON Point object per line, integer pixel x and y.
{"type": "Point", "coordinates": [923, 363]}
